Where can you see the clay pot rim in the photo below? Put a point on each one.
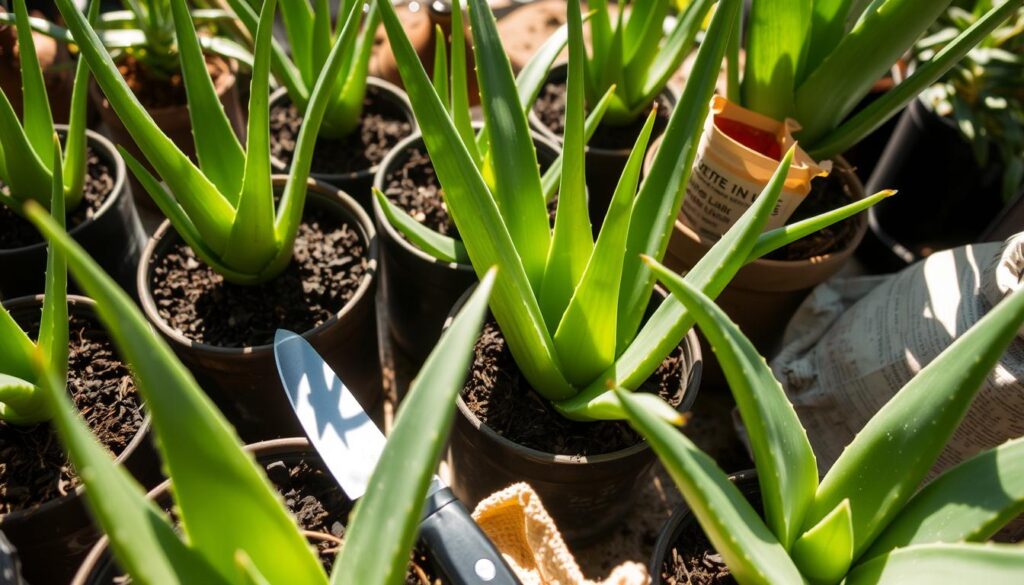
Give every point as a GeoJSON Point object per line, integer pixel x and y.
{"type": "Point", "coordinates": [389, 93]}
{"type": "Point", "coordinates": [88, 306]}
{"type": "Point", "coordinates": [105, 149]}
{"type": "Point", "coordinates": [389, 230]}
{"type": "Point", "coordinates": [682, 513]}
{"type": "Point", "coordinates": [690, 390]}
{"type": "Point", "coordinates": [560, 69]}
{"type": "Point", "coordinates": [332, 196]}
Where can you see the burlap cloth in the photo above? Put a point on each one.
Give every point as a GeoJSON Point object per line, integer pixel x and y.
{"type": "Point", "coordinates": [520, 527]}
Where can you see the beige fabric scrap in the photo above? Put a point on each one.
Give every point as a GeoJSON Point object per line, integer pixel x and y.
{"type": "Point", "coordinates": [516, 521]}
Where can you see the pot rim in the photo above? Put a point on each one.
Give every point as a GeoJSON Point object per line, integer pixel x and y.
{"type": "Point", "coordinates": [105, 149]}
{"type": "Point", "coordinates": [389, 92]}
{"type": "Point", "coordinates": [560, 69]}
{"type": "Point", "coordinates": [318, 188]}
{"type": "Point", "coordinates": [88, 306]}
{"type": "Point", "coordinates": [690, 390]}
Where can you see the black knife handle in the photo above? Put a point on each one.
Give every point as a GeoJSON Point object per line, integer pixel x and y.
{"type": "Point", "coordinates": [462, 552]}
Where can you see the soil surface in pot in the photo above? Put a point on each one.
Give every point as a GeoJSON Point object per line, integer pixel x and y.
{"type": "Point", "coordinates": [329, 262]}
{"type": "Point", "coordinates": [33, 465]}
{"type": "Point", "coordinates": [156, 91]}
{"type": "Point", "coordinates": [17, 232]}
{"type": "Point", "coordinates": [498, 394]}
{"type": "Point", "coordinates": [381, 127]}
{"type": "Point", "coordinates": [827, 193]}
{"type": "Point", "coordinates": [550, 109]}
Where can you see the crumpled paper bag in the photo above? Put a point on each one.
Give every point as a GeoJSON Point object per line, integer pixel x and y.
{"type": "Point", "coordinates": [516, 521]}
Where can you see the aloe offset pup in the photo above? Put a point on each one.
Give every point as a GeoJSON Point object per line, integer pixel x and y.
{"type": "Point", "coordinates": [866, 521]}
{"type": "Point", "coordinates": [237, 530]}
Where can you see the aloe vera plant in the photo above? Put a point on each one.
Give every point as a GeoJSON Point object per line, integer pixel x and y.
{"type": "Point", "coordinates": [27, 168]}
{"type": "Point", "coordinates": [865, 521]}
{"type": "Point", "coordinates": [237, 530]}
{"type": "Point", "coordinates": [224, 207]}
{"type": "Point", "coordinates": [815, 60]}
{"type": "Point", "coordinates": [22, 402]}
{"type": "Point", "coordinates": [571, 307]}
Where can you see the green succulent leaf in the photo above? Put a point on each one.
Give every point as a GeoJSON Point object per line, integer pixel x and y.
{"type": "Point", "coordinates": [673, 51]}
{"type": "Point", "coordinates": [37, 117]}
{"type": "Point", "coordinates": [378, 541]}
{"type": "Point", "coordinates": [53, 323]}
{"type": "Point", "coordinates": [76, 149]}
{"type": "Point", "coordinates": [824, 552]}
{"type": "Point", "coordinates": [943, 563]}
{"type": "Point", "coordinates": [552, 177]}
{"type": "Point", "coordinates": [440, 77]}
{"type": "Point", "coordinates": [459, 104]}
{"type": "Point", "coordinates": [828, 25]}
{"type": "Point", "coordinates": [776, 42]}
{"type": "Point", "coordinates": [441, 247]}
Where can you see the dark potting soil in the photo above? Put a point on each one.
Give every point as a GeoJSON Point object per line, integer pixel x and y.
{"type": "Point", "coordinates": [329, 262]}
{"type": "Point", "coordinates": [17, 232]}
{"type": "Point", "coordinates": [157, 91]}
{"type": "Point", "coordinates": [827, 193]}
{"type": "Point", "coordinates": [381, 127]}
{"type": "Point", "coordinates": [498, 394]}
{"type": "Point", "coordinates": [550, 109]}
{"type": "Point", "coordinates": [33, 466]}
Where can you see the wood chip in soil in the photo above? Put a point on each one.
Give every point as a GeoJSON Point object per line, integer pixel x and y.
{"type": "Point", "coordinates": [329, 262]}
{"type": "Point", "coordinates": [498, 394]}
{"type": "Point", "coordinates": [381, 127]}
{"type": "Point", "coordinates": [33, 465]}
{"type": "Point", "coordinates": [16, 231]}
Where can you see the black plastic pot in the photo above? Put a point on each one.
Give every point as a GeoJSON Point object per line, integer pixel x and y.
{"type": "Point", "coordinates": [864, 155]}
{"type": "Point", "coordinates": [10, 568]}
{"type": "Point", "coordinates": [683, 519]}
{"type": "Point", "coordinates": [52, 538]}
{"type": "Point", "coordinates": [945, 199]}
{"type": "Point", "coordinates": [244, 382]}
{"type": "Point", "coordinates": [358, 183]}
{"type": "Point", "coordinates": [586, 496]}
{"type": "Point", "coordinates": [113, 237]}
{"type": "Point", "coordinates": [419, 290]}
{"type": "Point", "coordinates": [603, 166]}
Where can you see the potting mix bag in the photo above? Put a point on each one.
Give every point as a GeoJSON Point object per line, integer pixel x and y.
{"type": "Point", "coordinates": [855, 342]}
{"type": "Point", "coordinates": [737, 155]}
{"type": "Point", "coordinates": [520, 527]}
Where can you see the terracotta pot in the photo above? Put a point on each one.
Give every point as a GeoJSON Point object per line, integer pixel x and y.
{"type": "Point", "coordinates": [420, 290]}
{"type": "Point", "coordinates": [586, 496]}
{"type": "Point", "coordinates": [244, 382]}
{"type": "Point", "coordinates": [174, 121]}
{"type": "Point", "coordinates": [683, 519]}
{"type": "Point", "coordinates": [764, 294]}
{"type": "Point", "coordinates": [113, 237]}
{"type": "Point", "coordinates": [358, 183]}
{"type": "Point", "coordinates": [603, 166]}
{"type": "Point", "coordinates": [52, 538]}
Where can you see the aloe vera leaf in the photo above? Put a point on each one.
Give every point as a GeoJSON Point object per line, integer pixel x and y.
{"type": "Point", "coordinates": [942, 563]}
{"type": "Point", "coordinates": [442, 247]}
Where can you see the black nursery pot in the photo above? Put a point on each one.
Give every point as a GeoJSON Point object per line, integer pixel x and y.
{"type": "Point", "coordinates": [586, 495]}
{"type": "Point", "coordinates": [419, 290]}
{"type": "Point", "coordinates": [683, 521]}
{"type": "Point", "coordinates": [52, 538]}
{"type": "Point", "coordinates": [243, 381]}
{"type": "Point", "coordinates": [113, 236]}
{"type": "Point", "coordinates": [604, 166]}
{"type": "Point", "coordinates": [356, 183]}
{"type": "Point", "coordinates": [933, 168]}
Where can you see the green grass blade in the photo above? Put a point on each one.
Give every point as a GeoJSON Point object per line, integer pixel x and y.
{"type": "Point", "coordinates": [440, 77]}
{"type": "Point", "coordinates": [551, 178]}
{"type": "Point", "coordinates": [661, 193]}
{"type": "Point", "coordinates": [572, 242]}
{"type": "Point", "coordinates": [943, 563]}
{"type": "Point", "coordinates": [861, 58]}
{"type": "Point", "coordinates": [24, 172]}
{"type": "Point", "coordinates": [828, 25]}
{"type": "Point", "coordinates": [53, 323]}
{"type": "Point", "coordinates": [36, 106]}
{"type": "Point", "coordinates": [913, 427]}
{"type": "Point", "coordinates": [586, 335]}
{"type": "Point", "coordinates": [298, 23]}
{"type": "Point", "coordinates": [206, 206]}
{"type": "Point", "coordinates": [220, 154]}
{"type": "Point", "coordinates": [748, 547]}
{"type": "Point", "coordinates": [442, 247]}
{"type": "Point", "coordinates": [141, 537]}
{"type": "Point", "coordinates": [253, 244]}
{"type": "Point", "coordinates": [850, 132]}
{"type": "Point", "coordinates": [386, 520]}
{"type": "Point", "coordinates": [776, 39]}
{"type": "Point", "coordinates": [517, 187]}
{"type": "Point", "coordinates": [653, 79]}
{"type": "Point", "coordinates": [75, 146]}
{"type": "Point", "coordinates": [480, 223]}
{"type": "Point", "coordinates": [786, 465]}
{"type": "Point", "coordinates": [225, 500]}
{"type": "Point", "coordinates": [970, 502]}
